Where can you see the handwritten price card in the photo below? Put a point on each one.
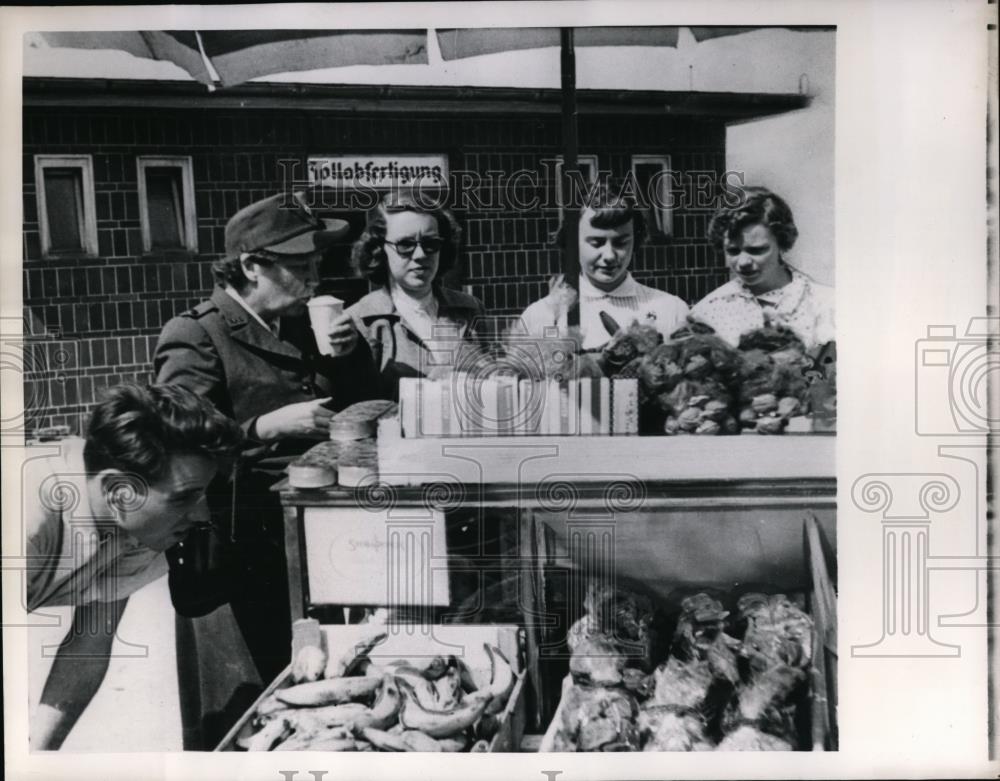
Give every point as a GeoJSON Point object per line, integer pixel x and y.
{"type": "Point", "coordinates": [392, 557]}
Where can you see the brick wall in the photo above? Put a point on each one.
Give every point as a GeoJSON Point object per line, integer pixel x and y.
{"type": "Point", "coordinates": [99, 317]}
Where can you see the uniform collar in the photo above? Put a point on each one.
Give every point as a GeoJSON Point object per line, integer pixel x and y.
{"type": "Point", "coordinates": [232, 293]}
{"type": "Point", "coordinates": [250, 330]}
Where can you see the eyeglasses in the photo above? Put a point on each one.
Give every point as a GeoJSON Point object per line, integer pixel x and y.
{"type": "Point", "coordinates": [429, 244]}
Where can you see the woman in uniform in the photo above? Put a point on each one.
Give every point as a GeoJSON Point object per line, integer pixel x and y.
{"type": "Point", "coordinates": [250, 350]}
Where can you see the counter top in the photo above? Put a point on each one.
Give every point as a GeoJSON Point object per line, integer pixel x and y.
{"type": "Point", "coordinates": [630, 472]}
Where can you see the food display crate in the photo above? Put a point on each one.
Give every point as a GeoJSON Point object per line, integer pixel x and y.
{"type": "Point", "coordinates": [822, 680]}
{"type": "Point", "coordinates": [672, 511]}
{"type": "Point", "coordinates": [414, 643]}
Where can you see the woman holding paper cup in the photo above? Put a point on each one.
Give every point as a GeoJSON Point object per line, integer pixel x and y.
{"type": "Point", "coordinates": [417, 327]}
{"type": "Point", "coordinates": [411, 322]}
{"type": "Point", "coordinates": [253, 353]}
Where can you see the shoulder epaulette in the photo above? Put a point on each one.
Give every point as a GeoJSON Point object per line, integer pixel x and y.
{"type": "Point", "coordinates": [199, 311]}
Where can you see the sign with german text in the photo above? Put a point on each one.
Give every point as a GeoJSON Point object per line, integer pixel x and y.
{"type": "Point", "coordinates": [379, 172]}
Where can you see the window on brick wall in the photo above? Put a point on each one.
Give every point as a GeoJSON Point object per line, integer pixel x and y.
{"type": "Point", "coordinates": [652, 175]}
{"type": "Point", "coordinates": [67, 220]}
{"type": "Point", "coordinates": [166, 204]}
{"type": "Point", "coordinates": [588, 171]}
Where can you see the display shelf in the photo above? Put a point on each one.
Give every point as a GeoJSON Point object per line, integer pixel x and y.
{"type": "Point", "coordinates": [672, 512]}
{"type": "Point", "coordinates": [821, 700]}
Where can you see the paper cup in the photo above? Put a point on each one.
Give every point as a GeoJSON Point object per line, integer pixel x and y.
{"type": "Point", "coordinates": [323, 310]}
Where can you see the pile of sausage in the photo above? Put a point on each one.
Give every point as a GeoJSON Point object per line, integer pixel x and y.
{"type": "Point", "coordinates": [401, 705]}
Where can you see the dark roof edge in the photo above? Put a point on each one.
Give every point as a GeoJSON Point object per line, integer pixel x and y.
{"type": "Point", "coordinates": [38, 91]}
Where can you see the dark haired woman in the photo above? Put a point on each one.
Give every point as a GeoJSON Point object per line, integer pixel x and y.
{"type": "Point", "coordinates": [406, 249]}
{"type": "Point", "coordinates": [765, 289]}
{"type": "Point", "coordinates": [610, 232]}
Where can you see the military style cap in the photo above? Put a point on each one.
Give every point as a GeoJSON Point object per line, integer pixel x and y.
{"type": "Point", "coordinates": [283, 224]}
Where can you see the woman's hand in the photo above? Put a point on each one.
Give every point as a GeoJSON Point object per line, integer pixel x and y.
{"type": "Point", "coordinates": [308, 419]}
{"type": "Point", "coordinates": [343, 336]}
{"type": "Point", "coordinates": [561, 296]}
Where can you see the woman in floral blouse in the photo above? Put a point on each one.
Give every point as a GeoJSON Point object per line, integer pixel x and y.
{"type": "Point", "coordinates": [765, 290]}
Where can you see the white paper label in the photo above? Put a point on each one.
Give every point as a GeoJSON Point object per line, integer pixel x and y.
{"type": "Point", "coordinates": [357, 557]}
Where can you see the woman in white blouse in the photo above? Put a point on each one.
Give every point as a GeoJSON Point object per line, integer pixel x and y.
{"type": "Point", "coordinates": [610, 233]}
{"type": "Point", "coordinates": [410, 320]}
{"type": "Point", "coordinates": [765, 289]}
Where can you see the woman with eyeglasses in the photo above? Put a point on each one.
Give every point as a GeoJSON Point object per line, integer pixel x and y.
{"type": "Point", "coordinates": [411, 321]}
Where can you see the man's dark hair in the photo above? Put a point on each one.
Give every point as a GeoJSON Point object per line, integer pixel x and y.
{"type": "Point", "coordinates": [138, 428]}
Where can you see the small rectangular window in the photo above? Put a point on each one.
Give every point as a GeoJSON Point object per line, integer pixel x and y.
{"type": "Point", "coordinates": [64, 186]}
{"type": "Point", "coordinates": [588, 171]}
{"type": "Point", "coordinates": [652, 175]}
{"type": "Point", "coordinates": [166, 204]}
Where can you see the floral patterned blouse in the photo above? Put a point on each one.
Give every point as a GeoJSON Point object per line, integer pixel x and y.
{"type": "Point", "coordinates": [803, 305]}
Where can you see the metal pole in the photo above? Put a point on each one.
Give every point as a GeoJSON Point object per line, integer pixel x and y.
{"type": "Point", "coordinates": [571, 210]}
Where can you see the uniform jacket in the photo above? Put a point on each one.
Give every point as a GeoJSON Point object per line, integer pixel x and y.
{"type": "Point", "coordinates": [397, 350]}
{"type": "Point", "coordinates": [218, 350]}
